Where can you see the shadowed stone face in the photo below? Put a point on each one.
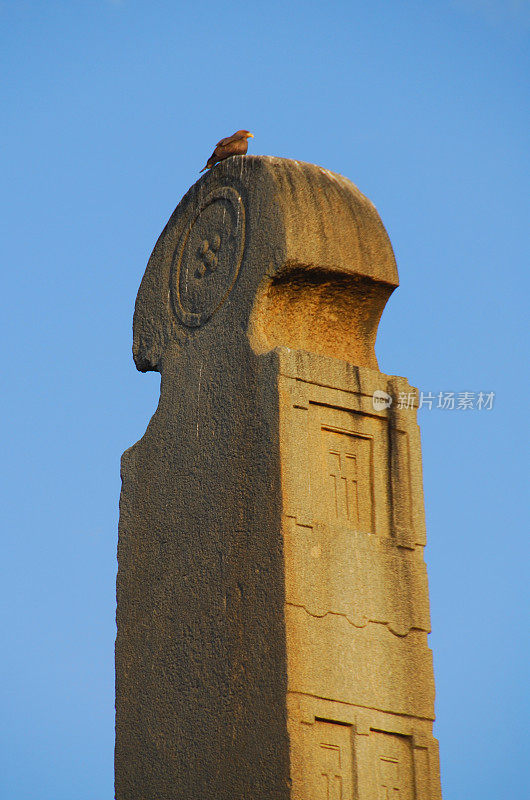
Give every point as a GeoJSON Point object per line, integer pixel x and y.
{"type": "Point", "coordinates": [272, 597]}
{"type": "Point", "coordinates": [208, 257]}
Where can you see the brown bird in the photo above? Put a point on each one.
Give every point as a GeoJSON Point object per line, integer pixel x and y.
{"type": "Point", "coordinates": [235, 145]}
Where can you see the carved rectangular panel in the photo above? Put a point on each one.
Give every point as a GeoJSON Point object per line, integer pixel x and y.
{"type": "Point", "coordinates": [401, 489]}
{"type": "Point", "coordinates": [333, 761]}
{"type": "Point", "coordinates": [392, 766]}
{"type": "Point", "coordinates": [348, 458]}
{"type": "Point", "coordinates": [347, 466]}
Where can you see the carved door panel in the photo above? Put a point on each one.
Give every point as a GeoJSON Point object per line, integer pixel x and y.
{"type": "Point", "coordinates": [392, 764]}
{"type": "Point", "coordinates": [348, 463]}
{"type": "Point", "coordinates": [333, 762]}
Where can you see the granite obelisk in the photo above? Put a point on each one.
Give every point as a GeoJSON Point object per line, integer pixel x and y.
{"type": "Point", "coordinates": [272, 594]}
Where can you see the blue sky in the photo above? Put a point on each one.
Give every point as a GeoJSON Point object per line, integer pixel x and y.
{"type": "Point", "coordinates": [109, 111]}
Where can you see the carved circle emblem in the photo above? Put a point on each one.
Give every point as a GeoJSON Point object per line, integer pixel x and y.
{"type": "Point", "coordinates": [208, 256]}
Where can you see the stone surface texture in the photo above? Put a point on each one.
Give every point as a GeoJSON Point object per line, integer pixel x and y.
{"type": "Point", "coordinates": [272, 594]}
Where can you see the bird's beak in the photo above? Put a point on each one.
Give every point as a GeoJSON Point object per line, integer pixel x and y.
{"type": "Point", "coordinates": [250, 135]}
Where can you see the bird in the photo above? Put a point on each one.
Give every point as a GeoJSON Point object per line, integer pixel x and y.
{"type": "Point", "coordinates": [235, 145]}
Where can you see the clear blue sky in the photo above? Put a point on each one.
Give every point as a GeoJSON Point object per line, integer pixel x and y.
{"type": "Point", "coordinates": [109, 111]}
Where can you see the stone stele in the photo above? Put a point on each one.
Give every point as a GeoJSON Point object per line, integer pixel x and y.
{"type": "Point", "coordinates": [272, 594]}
